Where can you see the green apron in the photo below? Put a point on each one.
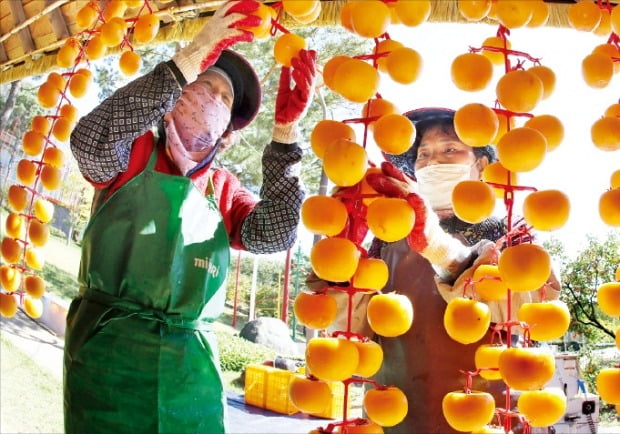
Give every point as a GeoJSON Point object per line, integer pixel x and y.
{"type": "Point", "coordinates": [139, 356]}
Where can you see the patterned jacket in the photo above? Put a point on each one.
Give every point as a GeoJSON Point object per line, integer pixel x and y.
{"type": "Point", "coordinates": [112, 145]}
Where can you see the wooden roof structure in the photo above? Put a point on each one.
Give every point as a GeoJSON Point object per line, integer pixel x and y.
{"type": "Point", "coordinates": [32, 31]}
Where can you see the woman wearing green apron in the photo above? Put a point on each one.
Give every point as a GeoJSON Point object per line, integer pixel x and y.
{"type": "Point", "coordinates": [139, 352]}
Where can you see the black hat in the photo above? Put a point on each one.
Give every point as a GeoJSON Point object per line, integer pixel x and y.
{"type": "Point", "coordinates": [423, 119]}
{"type": "Point", "coordinates": [246, 87]}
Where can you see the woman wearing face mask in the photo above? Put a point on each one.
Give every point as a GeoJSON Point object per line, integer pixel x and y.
{"type": "Point", "coordinates": [430, 269]}
{"type": "Point", "coordinates": [139, 352]}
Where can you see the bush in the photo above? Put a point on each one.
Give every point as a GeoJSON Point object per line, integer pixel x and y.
{"type": "Point", "coordinates": [236, 352]}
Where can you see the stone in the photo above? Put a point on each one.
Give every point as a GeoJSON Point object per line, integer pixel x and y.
{"type": "Point", "coordinates": [272, 333]}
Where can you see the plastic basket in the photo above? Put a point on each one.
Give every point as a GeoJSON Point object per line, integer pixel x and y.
{"type": "Point", "coordinates": [256, 384]}
{"type": "Point", "coordinates": [267, 387]}
{"type": "Point", "coordinates": [277, 398]}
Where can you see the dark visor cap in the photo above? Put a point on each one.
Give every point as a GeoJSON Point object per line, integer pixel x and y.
{"type": "Point", "coordinates": [246, 87]}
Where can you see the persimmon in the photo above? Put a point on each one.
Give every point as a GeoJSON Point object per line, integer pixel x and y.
{"type": "Point", "coordinates": [488, 284]}
{"type": "Point", "coordinates": [316, 311]}
{"type": "Point", "coordinates": [369, 19]}
{"type": "Point", "coordinates": [540, 14]}
{"type": "Point", "coordinates": [26, 171]}
{"type": "Point", "coordinates": [609, 207]}
{"type": "Point", "coordinates": [486, 358]}
{"type": "Point", "coordinates": [375, 108]}
{"type": "Point", "coordinates": [473, 201]}
{"type": "Point", "coordinates": [129, 62]}
{"type": "Point", "coordinates": [471, 72]}
{"type": "Point", "coordinates": [324, 215]}
{"type": "Point", "coordinates": [54, 156]}
{"type": "Point", "coordinates": [546, 210]}
{"type": "Point", "coordinates": [497, 174]}
{"type": "Point", "coordinates": [549, 126]}
{"type": "Point", "coordinates": [371, 274]}
{"type": "Point", "coordinates": [62, 129]}
{"type": "Point", "coordinates": [8, 305]}
{"type": "Point", "coordinates": [43, 210]}
{"type": "Point", "coordinates": [10, 278]}
{"type": "Point", "coordinates": [514, 13]}
{"type": "Point", "coordinates": [522, 149]}
{"type": "Point", "coordinates": [288, 46]}
{"type": "Point", "coordinates": [333, 359]}
{"type": "Point", "coordinates": [584, 15]}
{"type": "Point", "coordinates": [34, 286]}
{"type": "Point", "coordinates": [543, 407]}
{"type": "Point", "coordinates": [394, 133]}
{"type": "Point", "coordinates": [345, 162]}
{"type": "Point", "coordinates": [597, 70]}
{"type": "Point", "coordinates": [605, 133]}
{"type": "Point", "coordinates": [547, 320]}
{"type": "Point", "coordinates": [14, 225]}
{"type": "Point", "coordinates": [608, 298]}
{"type": "Point", "coordinates": [38, 233]}
{"type": "Point", "coordinates": [527, 368]}
{"type": "Point", "coordinates": [547, 78]}
{"type": "Point", "coordinates": [466, 320]}
{"type": "Point", "coordinates": [146, 27]}
{"type": "Point", "coordinates": [334, 259]}
{"type": "Point", "coordinates": [326, 132]}
{"type": "Point", "coordinates": [466, 411]}
{"type": "Point", "coordinates": [309, 395]}
{"type": "Point", "coordinates": [356, 80]}
{"type": "Point", "coordinates": [519, 90]}
{"type": "Point", "coordinates": [608, 385]}
{"type": "Point", "coordinates": [11, 250]}
{"type": "Point", "coordinates": [17, 198]}
{"type": "Point", "coordinates": [390, 219]}
{"type": "Point", "coordinates": [330, 67]}
{"type": "Point", "coordinates": [524, 267]}
{"type": "Point", "coordinates": [33, 307]}
{"type": "Point", "coordinates": [385, 406]}
{"type": "Point", "coordinates": [404, 65]}
{"type": "Point", "coordinates": [474, 10]}
{"type": "Point", "coordinates": [390, 314]}
{"type": "Point", "coordinates": [35, 258]}
{"type": "Point", "coordinates": [112, 31]}
{"type": "Point", "coordinates": [370, 358]}
{"type": "Point", "coordinates": [495, 47]}
{"type": "Point", "coordinates": [476, 124]}
{"type": "Point", "coordinates": [33, 143]}
{"type": "Point", "coordinates": [383, 49]}
{"type": "Point", "coordinates": [412, 14]}
{"type": "Point", "coordinates": [41, 124]}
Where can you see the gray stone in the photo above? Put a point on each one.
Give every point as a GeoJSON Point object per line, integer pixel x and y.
{"type": "Point", "coordinates": [272, 333]}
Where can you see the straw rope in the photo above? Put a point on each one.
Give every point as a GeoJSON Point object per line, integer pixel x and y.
{"type": "Point", "coordinates": [184, 23]}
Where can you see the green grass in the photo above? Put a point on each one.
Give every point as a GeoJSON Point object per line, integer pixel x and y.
{"type": "Point", "coordinates": [31, 398]}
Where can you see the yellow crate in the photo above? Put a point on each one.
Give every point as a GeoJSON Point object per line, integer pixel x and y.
{"type": "Point", "coordinates": [256, 384]}
{"type": "Point", "coordinates": [267, 387]}
{"type": "Point", "coordinates": [277, 398]}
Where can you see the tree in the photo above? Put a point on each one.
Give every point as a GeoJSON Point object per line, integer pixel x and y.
{"type": "Point", "coordinates": [581, 277]}
{"type": "Point", "coordinates": [9, 103]}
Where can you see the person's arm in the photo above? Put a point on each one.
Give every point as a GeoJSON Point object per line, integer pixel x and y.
{"type": "Point", "coordinates": [272, 224]}
{"type": "Point", "coordinates": [101, 141]}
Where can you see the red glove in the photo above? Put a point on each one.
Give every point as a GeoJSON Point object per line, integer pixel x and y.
{"type": "Point", "coordinates": [220, 32]}
{"type": "Point", "coordinates": [292, 104]}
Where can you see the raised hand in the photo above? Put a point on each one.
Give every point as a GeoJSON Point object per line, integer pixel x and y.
{"type": "Point", "coordinates": [292, 103]}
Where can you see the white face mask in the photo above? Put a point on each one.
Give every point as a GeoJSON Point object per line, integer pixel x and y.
{"type": "Point", "coordinates": [436, 182]}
